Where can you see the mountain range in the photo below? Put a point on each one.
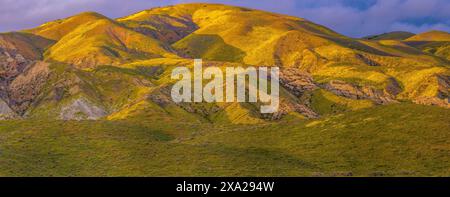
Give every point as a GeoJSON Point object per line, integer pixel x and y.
{"type": "Point", "coordinates": [108, 80]}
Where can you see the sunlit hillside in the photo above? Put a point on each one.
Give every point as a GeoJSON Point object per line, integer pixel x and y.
{"type": "Point", "coordinates": [89, 91]}
{"type": "Point", "coordinates": [431, 36]}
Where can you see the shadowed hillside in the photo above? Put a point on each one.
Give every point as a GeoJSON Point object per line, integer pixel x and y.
{"type": "Point", "coordinates": [395, 35]}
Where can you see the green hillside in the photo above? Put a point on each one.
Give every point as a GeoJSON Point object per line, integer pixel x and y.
{"type": "Point", "coordinates": [393, 140]}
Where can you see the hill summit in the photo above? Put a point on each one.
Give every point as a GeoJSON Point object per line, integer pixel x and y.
{"type": "Point", "coordinates": [431, 36]}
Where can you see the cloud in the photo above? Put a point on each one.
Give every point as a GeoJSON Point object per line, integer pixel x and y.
{"type": "Point", "coordinates": [21, 14]}
{"type": "Point", "coordinates": [421, 28]}
{"type": "Point", "coordinates": [380, 16]}
{"type": "Point", "coordinates": [350, 17]}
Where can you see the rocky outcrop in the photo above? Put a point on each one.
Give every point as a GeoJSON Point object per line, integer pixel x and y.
{"type": "Point", "coordinates": [11, 64]}
{"type": "Point", "coordinates": [351, 91]}
{"type": "Point", "coordinates": [81, 109]}
{"type": "Point", "coordinates": [393, 87]}
{"type": "Point", "coordinates": [442, 99]}
{"type": "Point", "coordinates": [444, 87]}
{"type": "Point", "coordinates": [288, 107]}
{"type": "Point", "coordinates": [366, 60]}
{"type": "Point", "coordinates": [301, 83]}
{"type": "Point", "coordinates": [160, 99]}
{"type": "Point", "coordinates": [433, 101]}
{"type": "Point", "coordinates": [21, 79]}
{"type": "Point", "coordinates": [344, 89]}
{"type": "Point", "coordinates": [27, 86]}
{"type": "Point", "coordinates": [6, 112]}
{"type": "Point", "coordinates": [296, 81]}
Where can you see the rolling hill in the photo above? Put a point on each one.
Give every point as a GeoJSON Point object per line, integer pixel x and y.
{"type": "Point", "coordinates": [372, 106]}
{"type": "Point", "coordinates": [433, 42]}
{"type": "Point", "coordinates": [431, 36]}
{"type": "Point", "coordinates": [395, 35]}
{"type": "Point", "coordinates": [91, 39]}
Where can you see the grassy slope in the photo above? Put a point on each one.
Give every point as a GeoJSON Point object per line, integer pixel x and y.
{"type": "Point", "coordinates": [324, 102]}
{"type": "Point", "coordinates": [55, 30]}
{"type": "Point", "coordinates": [433, 42]}
{"type": "Point", "coordinates": [215, 27]}
{"type": "Point", "coordinates": [431, 36]}
{"type": "Point", "coordinates": [437, 48]}
{"type": "Point", "coordinates": [105, 42]}
{"type": "Point", "coordinates": [262, 38]}
{"type": "Point", "coordinates": [395, 140]}
{"type": "Point", "coordinates": [29, 45]}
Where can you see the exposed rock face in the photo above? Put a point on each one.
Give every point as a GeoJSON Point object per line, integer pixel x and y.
{"type": "Point", "coordinates": [287, 107]}
{"type": "Point", "coordinates": [11, 64]}
{"type": "Point", "coordinates": [433, 101]}
{"type": "Point", "coordinates": [5, 111]}
{"type": "Point", "coordinates": [444, 87]}
{"type": "Point", "coordinates": [300, 83]}
{"type": "Point", "coordinates": [26, 87]}
{"type": "Point", "coordinates": [21, 79]}
{"type": "Point", "coordinates": [393, 87]}
{"type": "Point", "coordinates": [366, 60]}
{"type": "Point", "coordinates": [442, 98]}
{"type": "Point", "coordinates": [344, 89]}
{"type": "Point", "coordinates": [81, 109]}
{"type": "Point", "coordinates": [357, 92]}
{"type": "Point", "coordinates": [296, 81]}
{"type": "Point", "coordinates": [160, 99]}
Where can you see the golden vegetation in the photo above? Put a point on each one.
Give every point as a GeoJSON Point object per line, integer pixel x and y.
{"type": "Point", "coordinates": [123, 66]}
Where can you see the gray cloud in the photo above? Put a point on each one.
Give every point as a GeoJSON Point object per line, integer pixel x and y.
{"type": "Point", "coordinates": [21, 14]}
{"type": "Point", "coordinates": [383, 16]}
{"type": "Point", "coordinates": [350, 17]}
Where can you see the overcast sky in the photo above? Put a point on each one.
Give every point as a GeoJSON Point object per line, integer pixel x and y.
{"type": "Point", "coordinates": [354, 18]}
